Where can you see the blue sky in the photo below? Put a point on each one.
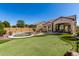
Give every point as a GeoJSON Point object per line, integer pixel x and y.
{"type": "Point", "coordinates": [36, 12]}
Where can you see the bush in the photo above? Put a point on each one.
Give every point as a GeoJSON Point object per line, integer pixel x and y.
{"type": "Point", "coordinates": [2, 31]}
{"type": "Point", "coordinates": [77, 33]}
{"type": "Point", "coordinates": [10, 33]}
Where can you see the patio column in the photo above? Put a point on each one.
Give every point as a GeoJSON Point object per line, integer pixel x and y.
{"type": "Point", "coordinates": [73, 27]}
{"type": "Point", "coordinates": [47, 28]}
{"type": "Point", "coordinates": [54, 27]}
{"type": "Point", "coordinates": [58, 27]}
{"type": "Point", "coordinates": [64, 28]}
{"type": "Point", "coordinates": [51, 27]}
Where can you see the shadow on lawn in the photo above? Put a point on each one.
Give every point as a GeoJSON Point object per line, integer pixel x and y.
{"type": "Point", "coordinates": [71, 40]}
{"type": "Point", "coordinates": [68, 38]}
{"type": "Point", "coordinates": [3, 41]}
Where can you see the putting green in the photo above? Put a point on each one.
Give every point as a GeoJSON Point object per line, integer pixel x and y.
{"type": "Point", "coordinates": [49, 45]}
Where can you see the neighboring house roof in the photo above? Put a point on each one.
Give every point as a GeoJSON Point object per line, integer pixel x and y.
{"type": "Point", "coordinates": [43, 22]}
{"type": "Point", "coordinates": [48, 23]}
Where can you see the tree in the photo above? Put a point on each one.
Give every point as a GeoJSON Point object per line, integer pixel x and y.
{"type": "Point", "coordinates": [20, 23]}
{"type": "Point", "coordinates": [32, 26]}
{"type": "Point", "coordinates": [13, 26]}
{"type": "Point", "coordinates": [26, 25]}
{"type": "Point", "coordinates": [6, 24]}
{"type": "Point", "coordinates": [2, 31]}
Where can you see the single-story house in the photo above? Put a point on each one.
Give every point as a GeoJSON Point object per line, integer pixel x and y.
{"type": "Point", "coordinates": [61, 24]}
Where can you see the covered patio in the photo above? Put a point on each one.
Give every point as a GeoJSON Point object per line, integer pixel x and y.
{"type": "Point", "coordinates": [63, 28]}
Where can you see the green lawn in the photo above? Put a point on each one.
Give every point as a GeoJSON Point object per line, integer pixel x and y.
{"type": "Point", "coordinates": [71, 40]}
{"type": "Point", "coordinates": [3, 41]}
{"type": "Point", "coordinates": [49, 45]}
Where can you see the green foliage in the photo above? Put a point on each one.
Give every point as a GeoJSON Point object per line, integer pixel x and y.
{"type": "Point", "coordinates": [20, 23]}
{"type": "Point", "coordinates": [32, 26]}
{"type": "Point", "coordinates": [34, 29]}
{"type": "Point", "coordinates": [2, 31]}
{"type": "Point", "coordinates": [1, 25]}
{"type": "Point", "coordinates": [6, 24]}
{"type": "Point", "coordinates": [78, 33]}
{"type": "Point", "coordinates": [26, 25]}
{"type": "Point", "coordinates": [77, 28]}
{"type": "Point", "coordinates": [14, 26]}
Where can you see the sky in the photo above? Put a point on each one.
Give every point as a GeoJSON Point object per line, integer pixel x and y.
{"type": "Point", "coordinates": [36, 12]}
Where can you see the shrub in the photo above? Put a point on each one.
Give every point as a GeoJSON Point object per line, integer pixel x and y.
{"type": "Point", "coordinates": [2, 31]}
{"type": "Point", "coordinates": [10, 33]}
{"type": "Point", "coordinates": [77, 33]}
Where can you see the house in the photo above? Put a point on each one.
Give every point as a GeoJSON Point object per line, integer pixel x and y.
{"type": "Point", "coordinates": [60, 25]}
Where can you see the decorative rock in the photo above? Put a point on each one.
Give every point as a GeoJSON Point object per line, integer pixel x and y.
{"type": "Point", "coordinates": [71, 53]}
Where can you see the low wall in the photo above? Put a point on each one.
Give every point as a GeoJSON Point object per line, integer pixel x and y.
{"type": "Point", "coordinates": [16, 30]}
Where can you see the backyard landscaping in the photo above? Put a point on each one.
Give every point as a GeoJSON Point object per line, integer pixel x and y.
{"type": "Point", "coordinates": [47, 45]}
{"type": "Point", "coordinates": [73, 41]}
